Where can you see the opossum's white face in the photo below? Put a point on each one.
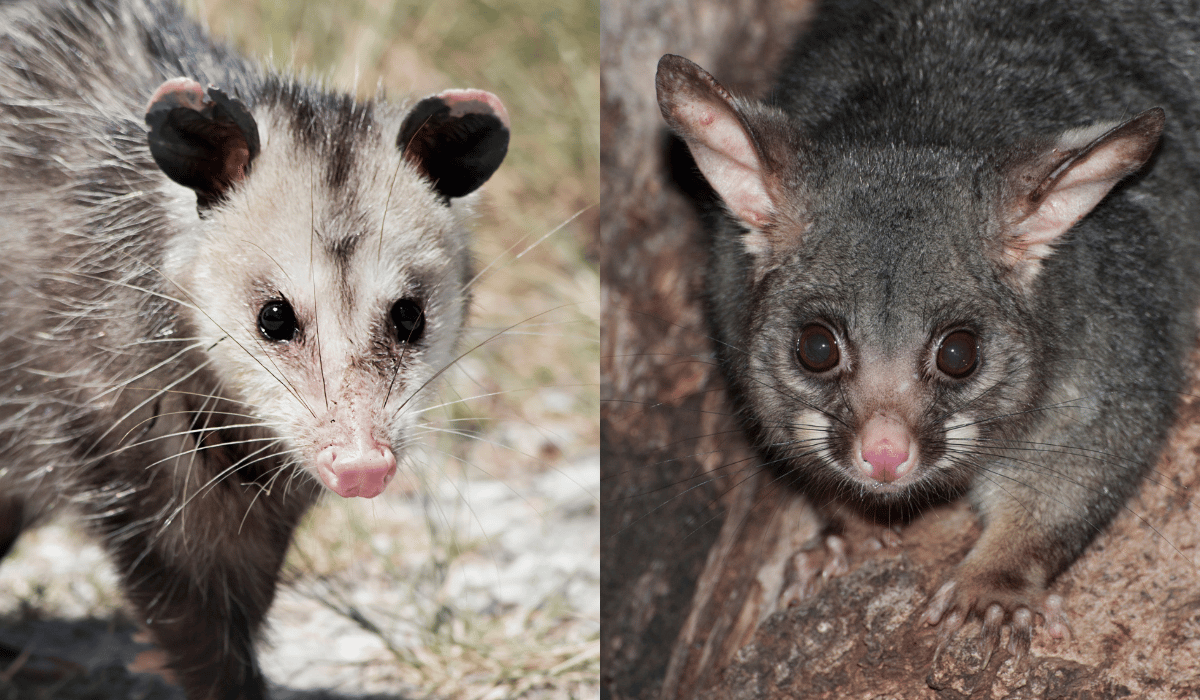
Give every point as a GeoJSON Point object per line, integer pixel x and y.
{"type": "Point", "coordinates": [328, 287]}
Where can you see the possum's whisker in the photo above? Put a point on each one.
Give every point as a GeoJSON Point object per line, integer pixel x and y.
{"type": "Point", "coordinates": [752, 470]}
{"type": "Point", "coordinates": [1103, 457]}
{"type": "Point", "coordinates": [1003, 445]}
{"type": "Point", "coordinates": [1061, 476]}
{"type": "Point", "coordinates": [991, 473]}
{"type": "Point", "coordinates": [721, 472]}
{"type": "Point", "coordinates": [750, 464]}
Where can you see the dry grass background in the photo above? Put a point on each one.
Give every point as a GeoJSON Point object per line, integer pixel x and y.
{"type": "Point", "coordinates": [531, 408]}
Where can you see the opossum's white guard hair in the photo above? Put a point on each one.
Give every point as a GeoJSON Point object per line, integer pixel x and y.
{"type": "Point", "coordinates": [183, 363]}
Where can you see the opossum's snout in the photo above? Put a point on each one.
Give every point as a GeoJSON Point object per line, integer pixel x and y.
{"type": "Point", "coordinates": [359, 467]}
{"type": "Point", "coordinates": [350, 448]}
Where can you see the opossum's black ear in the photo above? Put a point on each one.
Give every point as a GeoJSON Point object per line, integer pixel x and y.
{"type": "Point", "coordinates": [457, 138]}
{"type": "Point", "coordinates": [202, 141]}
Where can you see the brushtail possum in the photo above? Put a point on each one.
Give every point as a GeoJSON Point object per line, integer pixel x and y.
{"type": "Point", "coordinates": [959, 256]}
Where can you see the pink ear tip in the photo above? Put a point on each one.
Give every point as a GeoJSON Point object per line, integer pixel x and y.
{"type": "Point", "coordinates": [460, 96]}
{"type": "Point", "coordinates": [183, 92]}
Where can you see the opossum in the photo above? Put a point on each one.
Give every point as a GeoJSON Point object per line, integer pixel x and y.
{"type": "Point", "coordinates": [959, 255]}
{"type": "Point", "coordinates": [224, 291]}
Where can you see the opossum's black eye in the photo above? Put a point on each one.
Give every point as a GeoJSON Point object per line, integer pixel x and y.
{"type": "Point", "coordinates": [817, 348]}
{"type": "Point", "coordinates": [409, 319]}
{"type": "Point", "coordinates": [277, 321]}
{"type": "Point", "coordinates": [958, 354]}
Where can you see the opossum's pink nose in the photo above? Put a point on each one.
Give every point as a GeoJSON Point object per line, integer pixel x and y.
{"type": "Point", "coordinates": [362, 468]}
{"type": "Point", "coordinates": [885, 449]}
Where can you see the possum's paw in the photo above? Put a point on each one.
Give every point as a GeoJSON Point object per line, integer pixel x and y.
{"type": "Point", "coordinates": [826, 558]}
{"type": "Point", "coordinates": [965, 598]}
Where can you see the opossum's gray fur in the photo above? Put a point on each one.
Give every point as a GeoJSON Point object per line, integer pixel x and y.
{"type": "Point", "coordinates": [133, 386]}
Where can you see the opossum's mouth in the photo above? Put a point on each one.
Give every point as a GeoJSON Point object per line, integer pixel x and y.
{"type": "Point", "coordinates": [356, 469]}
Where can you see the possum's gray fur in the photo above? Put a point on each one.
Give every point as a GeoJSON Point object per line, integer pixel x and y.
{"type": "Point", "coordinates": [962, 256]}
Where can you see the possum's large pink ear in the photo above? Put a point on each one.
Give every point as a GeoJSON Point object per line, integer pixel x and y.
{"type": "Point", "coordinates": [202, 141]}
{"type": "Point", "coordinates": [702, 112]}
{"type": "Point", "coordinates": [456, 138]}
{"type": "Point", "coordinates": [1059, 188]}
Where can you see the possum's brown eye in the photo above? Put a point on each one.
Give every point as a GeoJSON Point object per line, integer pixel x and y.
{"type": "Point", "coordinates": [277, 321]}
{"type": "Point", "coordinates": [958, 354]}
{"type": "Point", "coordinates": [817, 348]}
{"type": "Point", "coordinates": [409, 319]}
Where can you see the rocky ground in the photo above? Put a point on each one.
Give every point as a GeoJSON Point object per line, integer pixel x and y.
{"type": "Point", "coordinates": [522, 583]}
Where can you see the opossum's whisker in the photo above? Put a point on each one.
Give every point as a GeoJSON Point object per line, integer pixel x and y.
{"type": "Point", "coordinates": [462, 498]}
{"type": "Point", "coordinates": [197, 394]}
{"type": "Point", "coordinates": [266, 488]}
{"type": "Point", "coordinates": [472, 349]}
{"type": "Point", "coordinates": [387, 201]}
{"type": "Point", "coordinates": [469, 435]}
{"type": "Point", "coordinates": [312, 278]}
{"type": "Point", "coordinates": [256, 423]}
{"type": "Point", "coordinates": [479, 275]}
{"type": "Point", "coordinates": [396, 373]}
{"type": "Point", "coordinates": [187, 303]}
{"type": "Point", "coordinates": [147, 372]}
{"type": "Point", "coordinates": [279, 375]}
{"type": "Point", "coordinates": [285, 384]}
{"type": "Point", "coordinates": [465, 399]}
{"type": "Point", "coordinates": [245, 461]}
{"type": "Point", "coordinates": [201, 447]}
{"type": "Point", "coordinates": [150, 399]}
{"type": "Point", "coordinates": [270, 257]}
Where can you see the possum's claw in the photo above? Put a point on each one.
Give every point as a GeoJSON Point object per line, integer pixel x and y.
{"type": "Point", "coordinates": [955, 603]}
{"type": "Point", "coordinates": [813, 565]}
{"type": "Point", "coordinates": [1054, 618]}
{"type": "Point", "coordinates": [829, 557]}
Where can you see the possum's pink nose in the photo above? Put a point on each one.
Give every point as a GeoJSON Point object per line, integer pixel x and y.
{"type": "Point", "coordinates": [361, 468]}
{"type": "Point", "coordinates": [886, 448]}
